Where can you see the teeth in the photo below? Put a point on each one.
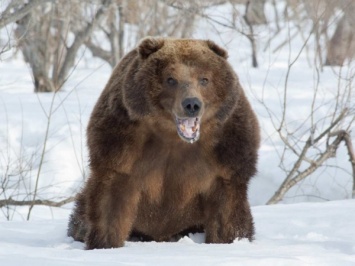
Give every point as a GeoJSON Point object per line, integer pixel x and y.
{"type": "Point", "coordinates": [189, 128]}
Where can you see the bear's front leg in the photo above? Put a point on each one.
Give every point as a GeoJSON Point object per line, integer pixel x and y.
{"type": "Point", "coordinates": [227, 213]}
{"type": "Point", "coordinates": [111, 209]}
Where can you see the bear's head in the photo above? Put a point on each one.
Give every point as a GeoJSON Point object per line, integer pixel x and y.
{"type": "Point", "coordinates": [181, 83]}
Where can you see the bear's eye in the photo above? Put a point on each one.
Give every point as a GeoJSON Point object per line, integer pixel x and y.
{"type": "Point", "coordinates": [204, 81]}
{"type": "Point", "coordinates": [171, 81]}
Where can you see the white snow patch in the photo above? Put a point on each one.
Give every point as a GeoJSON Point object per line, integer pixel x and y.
{"type": "Point", "coordinates": [278, 241]}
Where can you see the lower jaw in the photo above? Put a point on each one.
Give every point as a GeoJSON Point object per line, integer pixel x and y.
{"type": "Point", "coordinates": [190, 140]}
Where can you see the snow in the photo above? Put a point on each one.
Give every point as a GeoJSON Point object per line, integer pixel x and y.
{"type": "Point", "coordinates": [293, 234]}
{"type": "Point", "coordinates": [305, 232]}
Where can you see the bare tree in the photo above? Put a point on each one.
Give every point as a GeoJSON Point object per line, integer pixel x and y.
{"type": "Point", "coordinates": [324, 15]}
{"type": "Point", "coordinates": [254, 15]}
{"type": "Point", "coordinates": [113, 28]}
{"type": "Point", "coordinates": [17, 9]}
{"type": "Point", "coordinates": [141, 18]}
{"type": "Point", "coordinates": [45, 37]}
{"type": "Point", "coordinates": [341, 46]}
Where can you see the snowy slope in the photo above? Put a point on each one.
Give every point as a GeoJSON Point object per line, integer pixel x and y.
{"type": "Point", "coordinates": [297, 234]}
{"type": "Point", "coordinates": [294, 234]}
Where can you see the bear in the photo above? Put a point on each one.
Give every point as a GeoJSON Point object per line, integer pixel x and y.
{"type": "Point", "coordinates": [173, 143]}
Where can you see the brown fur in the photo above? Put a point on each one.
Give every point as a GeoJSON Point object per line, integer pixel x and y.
{"type": "Point", "coordinates": [147, 181]}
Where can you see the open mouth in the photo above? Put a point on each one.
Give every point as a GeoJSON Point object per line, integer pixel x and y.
{"type": "Point", "coordinates": [188, 128]}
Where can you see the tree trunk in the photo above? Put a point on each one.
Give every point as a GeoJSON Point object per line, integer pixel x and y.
{"type": "Point", "coordinates": [32, 42]}
{"type": "Point", "coordinates": [252, 5]}
{"type": "Point", "coordinates": [255, 12]}
{"type": "Point", "coordinates": [121, 32]}
{"type": "Point", "coordinates": [342, 44]}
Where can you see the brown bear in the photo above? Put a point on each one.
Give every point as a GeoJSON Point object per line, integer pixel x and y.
{"type": "Point", "coordinates": [173, 143]}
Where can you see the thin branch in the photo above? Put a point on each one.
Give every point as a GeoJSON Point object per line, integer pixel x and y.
{"type": "Point", "coordinates": [202, 15]}
{"type": "Point", "coordinates": [349, 147]}
{"type": "Point", "coordinates": [97, 51]}
{"type": "Point", "coordinates": [49, 203]}
{"type": "Point", "coordinates": [45, 141]}
{"type": "Point", "coordinates": [331, 126]}
{"type": "Point", "coordinates": [290, 181]}
{"type": "Point", "coordinates": [287, 78]}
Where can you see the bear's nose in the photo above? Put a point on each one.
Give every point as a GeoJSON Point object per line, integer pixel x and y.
{"type": "Point", "coordinates": [192, 106]}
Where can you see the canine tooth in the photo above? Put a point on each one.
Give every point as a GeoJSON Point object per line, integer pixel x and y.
{"type": "Point", "coordinates": [182, 127]}
{"type": "Point", "coordinates": [194, 129]}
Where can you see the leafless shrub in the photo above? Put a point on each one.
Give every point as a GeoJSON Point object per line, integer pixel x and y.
{"type": "Point", "coordinates": [317, 138]}
{"type": "Point", "coordinates": [22, 170]}
{"type": "Point", "coordinates": [15, 172]}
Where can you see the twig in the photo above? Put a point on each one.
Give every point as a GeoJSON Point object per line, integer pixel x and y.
{"type": "Point", "coordinates": [49, 203]}
{"type": "Point", "coordinates": [349, 147]}
{"type": "Point", "coordinates": [42, 155]}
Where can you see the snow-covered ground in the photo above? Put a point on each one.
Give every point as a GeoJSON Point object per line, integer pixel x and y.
{"type": "Point", "coordinates": [287, 234]}
{"type": "Point", "coordinates": [296, 234]}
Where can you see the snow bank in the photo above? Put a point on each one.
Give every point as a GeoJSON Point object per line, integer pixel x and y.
{"type": "Point", "coordinates": [297, 234]}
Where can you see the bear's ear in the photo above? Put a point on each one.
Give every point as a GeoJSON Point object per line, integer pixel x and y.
{"type": "Point", "coordinates": [149, 45]}
{"type": "Point", "coordinates": [217, 50]}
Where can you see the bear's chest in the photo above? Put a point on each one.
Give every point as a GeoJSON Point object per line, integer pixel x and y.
{"type": "Point", "coordinates": [169, 170]}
